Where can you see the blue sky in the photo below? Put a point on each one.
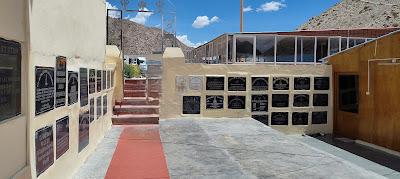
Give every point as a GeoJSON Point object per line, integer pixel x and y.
{"type": "Point", "coordinates": [199, 21]}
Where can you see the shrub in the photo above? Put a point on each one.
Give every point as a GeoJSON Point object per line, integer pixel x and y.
{"type": "Point", "coordinates": [131, 71]}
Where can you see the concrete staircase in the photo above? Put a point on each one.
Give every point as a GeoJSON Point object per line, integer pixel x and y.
{"type": "Point", "coordinates": [140, 104]}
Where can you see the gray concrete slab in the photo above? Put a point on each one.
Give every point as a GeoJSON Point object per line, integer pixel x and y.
{"type": "Point", "coordinates": [95, 167]}
{"type": "Point", "coordinates": [245, 148]}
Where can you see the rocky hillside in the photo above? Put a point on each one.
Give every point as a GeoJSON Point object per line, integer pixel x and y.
{"type": "Point", "coordinates": [138, 39]}
{"type": "Point", "coordinates": [349, 14]}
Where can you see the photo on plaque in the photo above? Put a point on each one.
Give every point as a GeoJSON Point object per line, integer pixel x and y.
{"type": "Point", "coordinates": [92, 81]}
{"type": "Point", "coordinates": [98, 80]}
{"type": "Point", "coordinates": [84, 124]}
{"type": "Point", "coordinates": [215, 83]}
{"type": "Point", "coordinates": [61, 80]}
{"type": "Point", "coordinates": [83, 83]}
{"type": "Point", "coordinates": [91, 110]}
{"type": "Point", "coordinates": [214, 102]}
{"type": "Point", "coordinates": [259, 103]}
{"type": "Point", "coordinates": [180, 83]}
{"type": "Point", "coordinates": [280, 83]}
{"type": "Point", "coordinates": [280, 100]}
{"type": "Point", "coordinates": [300, 118]}
{"type": "Point", "coordinates": [104, 80]}
{"type": "Point", "coordinates": [195, 83]}
{"type": "Point", "coordinates": [301, 83]}
{"type": "Point", "coordinates": [191, 105]}
{"type": "Point", "coordinates": [320, 117]}
{"type": "Point", "coordinates": [301, 100]}
{"type": "Point", "coordinates": [72, 87]}
{"type": "Point", "coordinates": [259, 83]}
{"type": "Point", "coordinates": [321, 83]}
{"type": "Point", "coordinates": [236, 102]}
{"type": "Point", "coordinates": [320, 100]}
{"type": "Point", "coordinates": [261, 118]}
{"type": "Point", "coordinates": [237, 84]}
{"type": "Point", "coordinates": [44, 88]}
{"type": "Point", "coordinates": [279, 118]}
{"type": "Point", "coordinates": [104, 104]}
{"type": "Point", "coordinates": [62, 136]}
{"type": "Point", "coordinates": [44, 149]}
{"type": "Point", "coordinates": [99, 107]}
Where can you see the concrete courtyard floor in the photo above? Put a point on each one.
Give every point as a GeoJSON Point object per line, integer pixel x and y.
{"type": "Point", "coordinates": [234, 148]}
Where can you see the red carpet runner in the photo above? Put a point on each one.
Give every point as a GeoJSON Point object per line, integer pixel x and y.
{"type": "Point", "coordinates": [139, 154]}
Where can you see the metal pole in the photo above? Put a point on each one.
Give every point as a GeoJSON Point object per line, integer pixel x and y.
{"type": "Point", "coordinates": [241, 15]}
{"type": "Point", "coordinates": [162, 32]}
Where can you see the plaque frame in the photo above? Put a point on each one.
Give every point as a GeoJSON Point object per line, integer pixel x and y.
{"type": "Point", "coordinates": [318, 86]}
{"type": "Point", "coordinates": [281, 87]}
{"type": "Point", "coordinates": [315, 120]}
{"type": "Point", "coordinates": [84, 130]}
{"type": "Point", "coordinates": [301, 87]}
{"type": "Point", "coordinates": [72, 75]}
{"type": "Point", "coordinates": [83, 86]}
{"type": "Point", "coordinates": [61, 81]}
{"type": "Point", "coordinates": [42, 167]}
{"type": "Point", "coordinates": [216, 102]}
{"type": "Point", "coordinates": [298, 104]}
{"type": "Point", "coordinates": [237, 88]}
{"type": "Point", "coordinates": [297, 122]}
{"type": "Point", "coordinates": [286, 105]}
{"type": "Point", "coordinates": [39, 71]}
{"type": "Point", "coordinates": [240, 98]}
{"type": "Point", "coordinates": [258, 106]}
{"type": "Point", "coordinates": [323, 96]}
{"type": "Point", "coordinates": [196, 86]}
{"type": "Point", "coordinates": [62, 146]}
{"type": "Point", "coordinates": [284, 122]}
{"type": "Point", "coordinates": [219, 88]}
{"type": "Point", "coordinates": [195, 109]}
{"type": "Point", "coordinates": [254, 79]}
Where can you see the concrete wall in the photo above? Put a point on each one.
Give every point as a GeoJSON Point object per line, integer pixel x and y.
{"type": "Point", "coordinates": [171, 98]}
{"type": "Point", "coordinates": [114, 56]}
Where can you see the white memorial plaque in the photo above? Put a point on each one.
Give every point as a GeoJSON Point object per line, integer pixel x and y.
{"type": "Point", "coordinates": [195, 83]}
{"type": "Point", "coordinates": [180, 83]}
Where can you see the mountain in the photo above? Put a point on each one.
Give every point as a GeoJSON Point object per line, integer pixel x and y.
{"type": "Point", "coordinates": [350, 14]}
{"type": "Point", "coordinates": [139, 39]}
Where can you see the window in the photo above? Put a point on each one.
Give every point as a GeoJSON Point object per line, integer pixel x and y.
{"type": "Point", "coordinates": [322, 48]}
{"type": "Point", "coordinates": [265, 48]}
{"type": "Point", "coordinates": [230, 45]}
{"type": "Point", "coordinates": [285, 48]}
{"type": "Point", "coordinates": [10, 79]}
{"type": "Point", "coordinates": [355, 41]}
{"type": "Point", "coordinates": [348, 93]}
{"type": "Point", "coordinates": [244, 49]}
{"type": "Point", "coordinates": [334, 45]}
{"type": "Point", "coordinates": [305, 49]}
{"type": "Point", "coordinates": [343, 44]}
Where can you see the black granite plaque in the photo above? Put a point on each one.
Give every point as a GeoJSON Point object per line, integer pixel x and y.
{"type": "Point", "coordinates": [279, 118]}
{"type": "Point", "coordinates": [215, 102]}
{"type": "Point", "coordinates": [44, 149]}
{"type": "Point", "coordinates": [280, 100]}
{"type": "Point", "coordinates": [191, 105]}
{"type": "Point", "coordinates": [215, 83]}
{"type": "Point", "coordinates": [104, 104]}
{"type": "Point", "coordinates": [237, 84]}
{"type": "Point", "coordinates": [72, 87]}
{"type": "Point", "coordinates": [236, 102]}
{"type": "Point", "coordinates": [108, 79]}
{"type": "Point", "coordinates": [61, 80]}
{"type": "Point", "coordinates": [98, 80]}
{"type": "Point", "coordinates": [91, 110]}
{"type": "Point", "coordinates": [92, 81]}
{"type": "Point", "coordinates": [104, 79]}
{"type": "Point", "coordinates": [44, 89]}
{"type": "Point", "coordinates": [262, 118]}
{"type": "Point", "coordinates": [321, 83]}
{"type": "Point", "coordinates": [83, 76]}
{"type": "Point", "coordinates": [84, 124]}
{"type": "Point", "coordinates": [259, 103]}
{"type": "Point", "coordinates": [99, 107]}
{"type": "Point", "coordinates": [281, 83]}
{"type": "Point", "coordinates": [320, 117]}
{"type": "Point", "coordinates": [62, 136]}
{"type": "Point", "coordinates": [259, 83]}
{"type": "Point", "coordinates": [300, 118]}
{"type": "Point", "coordinates": [320, 100]}
{"type": "Point", "coordinates": [302, 83]}
{"type": "Point", "coordinates": [301, 100]}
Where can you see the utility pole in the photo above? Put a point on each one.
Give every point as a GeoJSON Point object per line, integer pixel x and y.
{"type": "Point", "coordinates": [241, 15]}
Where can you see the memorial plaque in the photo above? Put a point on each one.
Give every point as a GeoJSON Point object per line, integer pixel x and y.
{"type": "Point", "coordinates": [72, 87]}
{"type": "Point", "coordinates": [44, 149]}
{"type": "Point", "coordinates": [195, 83]}
{"type": "Point", "coordinates": [320, 100]}
{"type": "Point", "coordinates": [259, 83]}
{"type": "Point", "coordinates": [215, 83]}
{"type": "Point", "coordinates": [236, 102]}
{"type": "Point", "coordinates": [180, 83]}
{"type": "Point", "coordinates": [320, 117]}
{"type": "Point", "coordinates": [280, 100]}
{"type": "Point", "coordinates": [62, 136]}
{"type": "Point", "coordinates": [99, 107]}
{"type": "Point", "coordinates": [191, 105]}
{"type": "Point", "coordinates": [279, 118]}
{"type": "Point", "coordinates": [281, 83]}
{"type": "Point", "coordinates": [44, 89]}
{"type": "Point", "coordinates": [10, 79]}
{"type": "Point", "coordinates": [237, 84]}
{"type": "Point", "coordinates": [105, 105]}
{"type": "Point", "coordinates": [92, 81]}
{"type": "Point", "coordinates": [259, 103]}
{"type": "Point", "coordinates": [321, 83]}
{"type": "Point", "coordinates": [215, 102]}
{"type": "Point", "coordinates": [99, 80]}
{"type": "Point", "coordinates": [300, 118]}
{"type": "Point", "coordinates": [261, 118]}
{"type": "Point", "coordinates": [84, 125]}
{"type": "Point", "coordinates": [91, 110]}
{"type": "Point", "coordinates": [302, 83]}
{"type": "Point", "coordinates": [61, 80]}
{"type": "Point", "coordinates": [301, 100]}
{"type": "Point", "coordinates": [108, 79]}
{"type": "Point", "coordinates": [104, 79]}
{"type": "Point", "coordinates": [83, 76]}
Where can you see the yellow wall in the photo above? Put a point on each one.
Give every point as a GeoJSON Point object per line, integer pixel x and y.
{"type": "Point", "coordinates": [114, 56]}
{"type": "Point", "coordinates": [171, 98]}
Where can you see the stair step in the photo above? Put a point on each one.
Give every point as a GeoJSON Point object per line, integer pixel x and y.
{"type": "Point", "coordinates": [127, 119]}
{"type": "Point", "coordinates": [139, 101]}
{"type": "Point", "coordinates": [135, 93]}
{"type": "Point", "coordinates": [136, 109]}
